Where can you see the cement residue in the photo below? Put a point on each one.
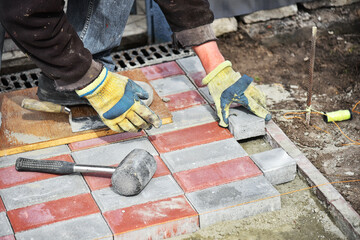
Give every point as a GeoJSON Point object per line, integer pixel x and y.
{"type": "Point", "coordinates": [23, 138]}
{"type": "Point", "coordinates": [301, 217]}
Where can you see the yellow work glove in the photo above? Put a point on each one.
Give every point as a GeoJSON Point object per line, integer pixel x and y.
{"type": "Point", "coordinates": [227, 86]}
{"type": "Point", "coordinates": [117, 101]}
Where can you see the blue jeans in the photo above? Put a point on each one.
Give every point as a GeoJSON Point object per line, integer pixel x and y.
{"type": "Point", "coordinates": [100, 25]}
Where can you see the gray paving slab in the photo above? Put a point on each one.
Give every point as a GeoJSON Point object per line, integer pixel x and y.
{"type": "Point", "coordinates": [243, 124]}
{"type": "Point", "coordinates": [206, 94]}
{"type": "Point", "coordinates": [191, 64]}
{"type": "Point", "coordinates": [278, 167]}
{"type": "Point", "coordinates": [172, 85]}
{"type": "Point", "coordinates": [234, 200]}
{"type": "Point", "coordinates": [88, 227]}
{"type": "Point", "coordinates": [187, 118]}
{"type": "Point", "coordinates": [7, 161]}
{"type": "Point", "coordinates": [112, 153]}
{"type": "Point", "coordinates": [43, 191]}
{"type": "Point", "coordinates": [157, 188]}
{"type": "Point", "coordinates": [5, 227]}
{"type": "Point", "coordinates": [202, 155]}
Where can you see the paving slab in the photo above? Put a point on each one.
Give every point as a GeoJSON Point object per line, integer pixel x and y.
{"type": "Point", "coordinates": [184, 100]}
{"type": "Point", "coordinates": [157, 188]}
{"type": "Point", "coordinates": [75, 146]}
{"type": "Point", "coordinates": [278, 167]}
{"type": "Point", "coordinates": [162, 70]}
{"type": "Point", "coordinates": [43, 191]}
{"type": "Point", "coordinates": [188, 137]}
{"type": "Point", "coordinates": [206, 94]}
{"type": "Point", "coordinates": [5, 227]}
{"type": "Point", "coordinates": [51, 212]}
{"type": "Point", "coordinates": [6, 161]}
{"type": "Point", "coordinates": [243, 124]}
{"type": "Point", "coordinates": [235, 200]}
{"type": "Point", "coordinates": [96, 228]}
{"type": "Point", "coordinates": [186, 118]}
{"type": "Point", "coordinates": [172, 85]}
{"type": "Point", "coordinates": [113, 153]}
{"type": "Point", "coordinates": [193, 68]}
{"type": "Point", "coordinates": [154, 220]}
{"type": "Point", "coordinates": [202, 155]}
{"type": "Point", "coordinates": [217, 174]}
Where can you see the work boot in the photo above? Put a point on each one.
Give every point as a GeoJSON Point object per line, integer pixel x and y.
{"type": "Point", "coordinates": [46, 92]}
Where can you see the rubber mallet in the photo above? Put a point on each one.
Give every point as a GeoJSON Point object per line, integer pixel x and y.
{"type": "Point", "coordinates": [129, 178]}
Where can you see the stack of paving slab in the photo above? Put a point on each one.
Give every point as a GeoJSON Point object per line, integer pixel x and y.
{"type": "Point", "coordinates": [204, 176]}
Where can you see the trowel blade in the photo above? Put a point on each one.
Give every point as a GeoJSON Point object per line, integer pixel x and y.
{"type": "Point", "coordinates": [86, 123]}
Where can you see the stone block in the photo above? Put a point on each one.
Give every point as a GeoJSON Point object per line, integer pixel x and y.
{"type": "Point", "coordinates": [243, 124]}
{"type": "Point", "coordinates": [87, 227]}
{"type": "Point", "coordinates": [327, 3]}
{"type": "Point", "coordinates": [202, 155]}
{"type": "Point", "coordinates": [217, 174]}
{"type": "Point", "coordinates": [162, 70]}
{"type": "Point", "coordinates": [265, 15]}
{"type": "Point", "coordinates": [187, 118]}
{"type": "Point", "coordinates": [188, 137]}
{"type": "Point", "coordinates": [235, 200]}
{"type": "Point", "coordinates": [206, 94]}
{"type": "Point", "coordinates": [191, 64]}
{"type": "Point", "coordinates": [43, 191]}
{"type": "Point", "coordinates": [221, 26]}
{"type": "Point", "coordinates": [172, 85]}
{"type": "Point", "coordinates": [278, 167]}
{"type": "Point", "coordinates": [160, 219]}
{"type": "Point", "coordinates": [157, 188]}
{"type": "Point", "coordinates": [113, 153]}
{"type": "Point", "coordinates": [5, 227]}
{"type": "Point", "coordinates": [180, 101]}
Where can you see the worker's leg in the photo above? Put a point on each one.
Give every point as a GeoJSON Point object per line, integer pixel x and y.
{"type": "Point", "coordinates": [210, 55]}
{"type": "Point", "coordinates": [100, 25]}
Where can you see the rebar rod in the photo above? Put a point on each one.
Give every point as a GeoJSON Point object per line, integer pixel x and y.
{"type": "Point", "coordinates": [311, 73]}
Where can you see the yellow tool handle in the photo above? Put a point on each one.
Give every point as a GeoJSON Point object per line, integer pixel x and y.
{"type": "Point", "coordinates": [43, 106]}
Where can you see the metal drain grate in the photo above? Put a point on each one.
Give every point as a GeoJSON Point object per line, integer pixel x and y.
{"type": "Point", "coordinates": [123, 60]}
{"type": "Point", "coordinates": [21, 80]}
{"type": "Point", "coordinates": [148, 55]}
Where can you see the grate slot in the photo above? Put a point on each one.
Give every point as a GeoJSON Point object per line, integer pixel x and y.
{"type": "Point", "coordinates": [123, 60]}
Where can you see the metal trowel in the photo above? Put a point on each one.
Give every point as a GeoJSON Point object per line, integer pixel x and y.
{"type": "Point", "coordinates": [77, 124]}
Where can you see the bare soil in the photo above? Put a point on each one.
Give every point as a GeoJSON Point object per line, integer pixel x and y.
{"type": "Point", "coordinates": [284, 69]}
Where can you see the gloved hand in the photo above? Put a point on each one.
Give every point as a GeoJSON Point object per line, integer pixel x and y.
{"type": "Point", "coordinates": [117, 101]}
{"type": "Point", "coordinates": [227, 86]}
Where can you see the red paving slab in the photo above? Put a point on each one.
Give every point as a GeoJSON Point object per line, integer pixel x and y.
{"type": "Point", "coordinates": [162, 70]}
{"type": "Point", "coordinates": [150, 214]}
{"type": "Point", "coordinates": [2, 207]}
{"type": "Point", "coordinates": [96, 181]}
{"type": "Point", "coordinates": [104, 140]}
{"type": "Point", "coordinates": [197, 78]}
{"type": "Point", "coordinates": [46, 213]}
{"type": "Point", "coordinates": [184, 100]}
{"type": "Point", "coordinates": [217, 174]}
{"type": "Point", "coordinates": [8, 237]}
{"type": "Point", "coordinates": [9, 177]}
{"type": "Point", "coordinates": [189, 137]}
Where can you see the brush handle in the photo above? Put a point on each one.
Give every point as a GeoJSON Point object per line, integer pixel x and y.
{"type": "Point", "coordinates": [46, 166]}
{"type": "Point", "coordinates": [43, 106]}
